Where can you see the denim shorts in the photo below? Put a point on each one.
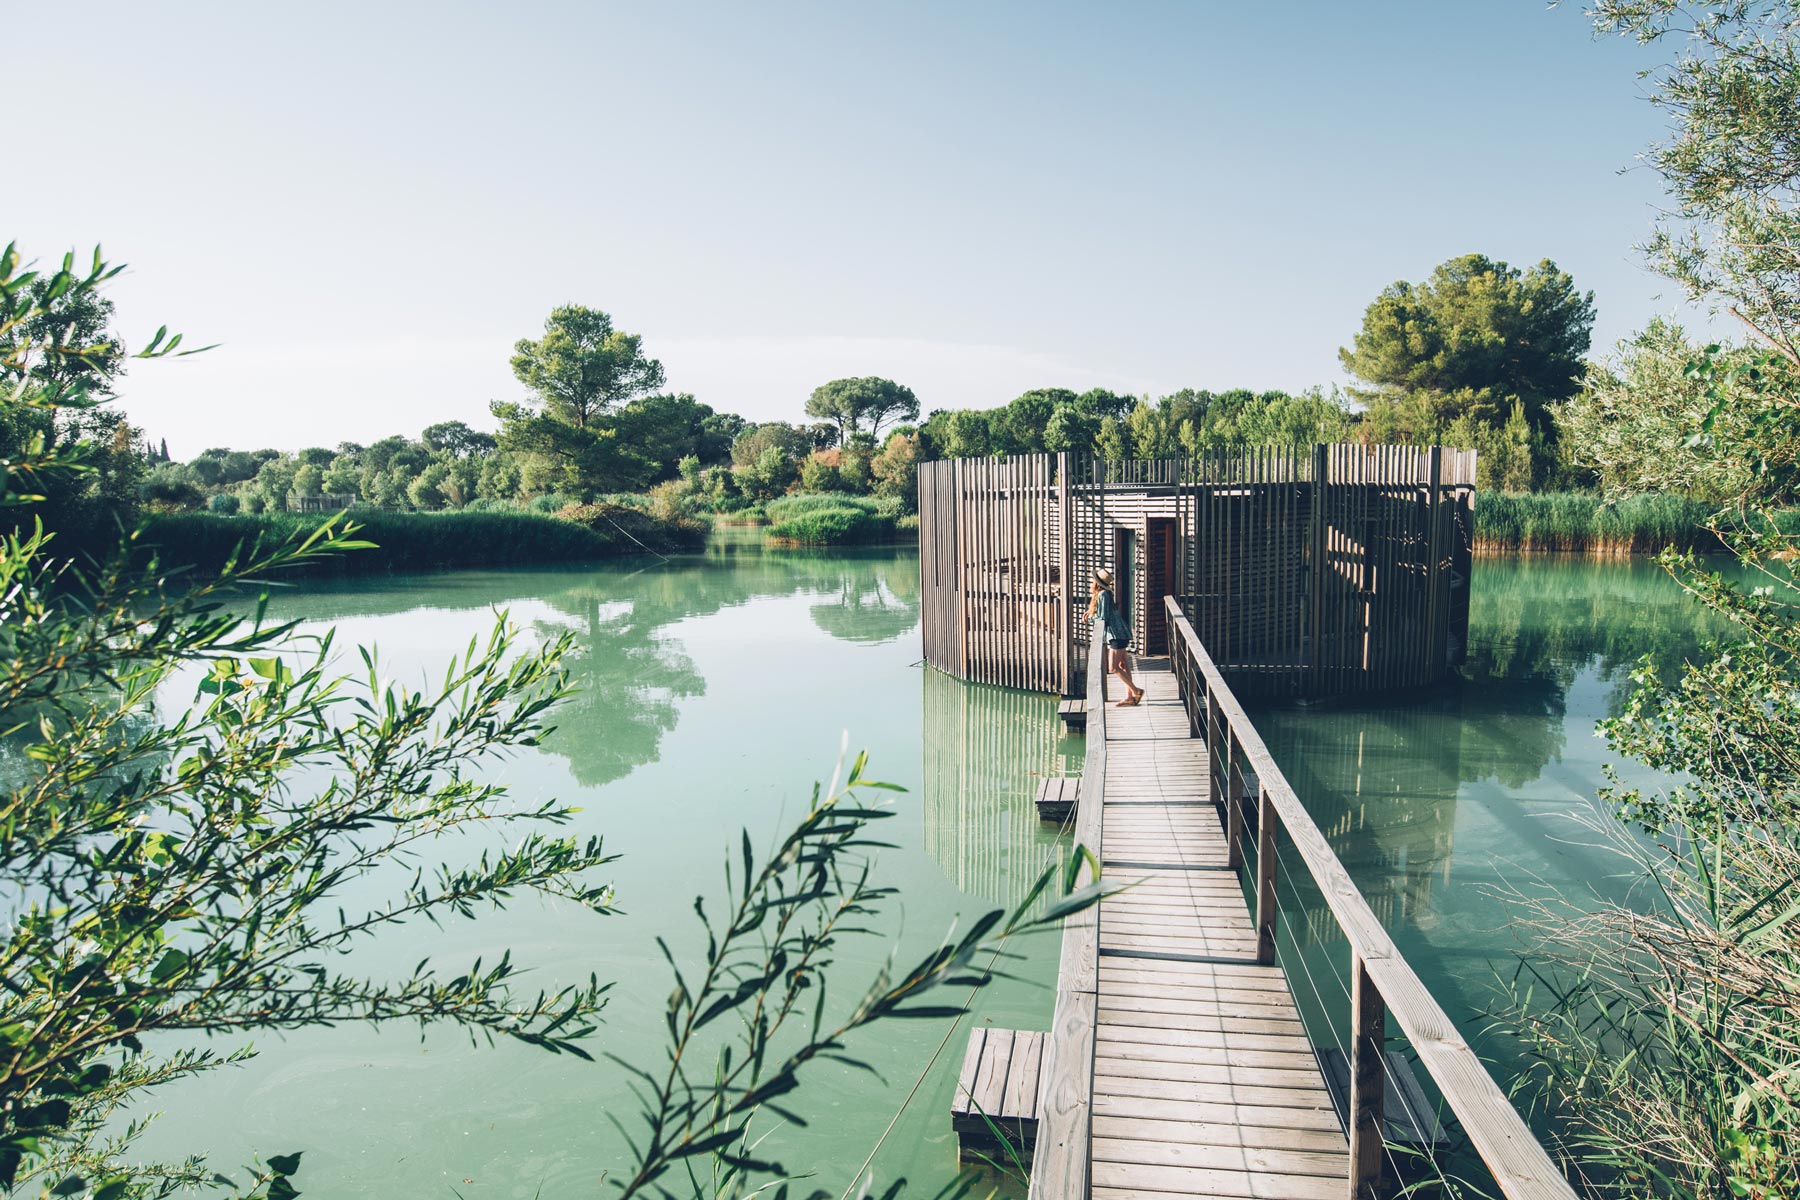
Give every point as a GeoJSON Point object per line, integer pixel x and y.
{"type": "Point", "coordinates": [1117, 643]}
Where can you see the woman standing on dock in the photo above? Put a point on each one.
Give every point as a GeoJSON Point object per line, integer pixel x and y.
{"type": "Point", "coordinates": [1118, 633]}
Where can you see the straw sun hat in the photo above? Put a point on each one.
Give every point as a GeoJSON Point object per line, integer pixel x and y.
{"type": "Point", "coordinates": [1103, 577]}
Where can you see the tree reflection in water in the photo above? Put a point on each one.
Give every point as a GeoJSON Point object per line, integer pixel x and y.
{"type": "Point", "coordinates": [631, 668]}
{"type": "Point", "coordinates": [633, 672]}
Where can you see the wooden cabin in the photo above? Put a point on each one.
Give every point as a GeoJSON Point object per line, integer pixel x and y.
{"type": "Point", "coordinates": [1309, 572]}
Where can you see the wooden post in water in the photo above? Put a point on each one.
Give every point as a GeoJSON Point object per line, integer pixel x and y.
{"type": "Point", "coordinates": [1265, 876]}
{"type": "Point", "coordinates": [1368, 1032]}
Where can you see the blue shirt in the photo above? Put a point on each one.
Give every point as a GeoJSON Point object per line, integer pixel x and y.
{"type": "Point", "coordinates": [1114, 620]}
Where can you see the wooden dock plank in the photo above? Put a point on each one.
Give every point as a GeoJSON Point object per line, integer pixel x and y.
{"type": "Point", "coordinates": [1113, 1179]}
{"type": "Point", "coordinates": [1256, 1120]}
{"type": "Point", "coordinates": [1057, 796]}
{"type": "Point", "coordinates": [995, 1111]}
{"type": "Point", "coordinates": [1215, 1156]}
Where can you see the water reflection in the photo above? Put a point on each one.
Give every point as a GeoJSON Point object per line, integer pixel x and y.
{"type": "Point", "coordinates": [1552, 643]}
{"type": "Point", "coordinates": [1443, 805]}
{"type": "Point", "coordinates": [870, 606]}
{"type": "Point", "coordinates": [985, 750]}
{"type": "Point", "coordinates": [1550, 618]}
{"type": "Point", "coordinates": [630, 668]}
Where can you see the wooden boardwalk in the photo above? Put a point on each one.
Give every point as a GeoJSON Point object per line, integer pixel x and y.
{"type": "Point", "coordinates": [1176, 1063]}
{"type": "Point", "coordinates": [1205, 1083]}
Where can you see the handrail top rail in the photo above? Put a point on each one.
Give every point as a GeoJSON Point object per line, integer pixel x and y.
{"type": "Point", "coordinates": [1518, 1161]}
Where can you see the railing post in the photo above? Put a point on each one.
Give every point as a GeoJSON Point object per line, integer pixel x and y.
{"type": "Point", "coordinates": [1265, 877]}
{"type": "Point", "coordinates": [1368, 1032]}
{"type": "Point", "coordinates": [1234, 799]}
{"type": "Point", "coordinates": [1211, 734]}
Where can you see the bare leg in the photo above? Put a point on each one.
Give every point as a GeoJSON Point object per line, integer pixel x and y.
{"type": "Point", "coordinates": [1122, 668]}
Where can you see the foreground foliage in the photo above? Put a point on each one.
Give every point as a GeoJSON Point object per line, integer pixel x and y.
{"type": "Point", "coordinates": [1712, 423]}
{"type": "Point", "coordinates": [1668, 1032]}
{"type": "Point", "coordinates": [711, 1101]}
{"type": "Point", "coordinates": [202, 873]}
{"type": "Point", "coordinates": [184, 875]}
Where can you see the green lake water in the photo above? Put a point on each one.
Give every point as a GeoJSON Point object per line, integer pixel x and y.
{"type": "Point", "coordinates": [717, 688]}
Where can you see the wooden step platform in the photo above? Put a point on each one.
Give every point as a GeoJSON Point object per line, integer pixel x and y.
{"type": "Point", "coordinates": [1056, 796]}
{"type": "Point", "coordinates": [1073, 714]}
{"type": "Point", "coordinates": [995, 1110]}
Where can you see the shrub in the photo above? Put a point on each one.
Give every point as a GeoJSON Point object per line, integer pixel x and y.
{"type": "Point", "coordinates": [223, 503]}
{"type": "Point", "coordinates": [488, 504]}
{"type": "Point", "coordinates": [825, 527]}
{"type": "Point", "coordinates": [804, 502]}
{"type": "Point", "coordinates": [627, 526]}
{"type": "Point", "coordinates": [673, 501]}
{"type": "Point", "coordinates": [830, 519]}
{"type": "Point", "coordinates": [818, 475]}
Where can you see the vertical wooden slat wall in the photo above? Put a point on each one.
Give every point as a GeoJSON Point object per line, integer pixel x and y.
{"type": "Point", "coordinates": [1312, 571]}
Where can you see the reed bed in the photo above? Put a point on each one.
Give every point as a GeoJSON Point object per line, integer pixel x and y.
{"type": "Point", "coordinates": [1583, 523]}
{"type": "Point", "coordinates": [832, 519]}
{"type": "Point", "coordinates": [423, 541]}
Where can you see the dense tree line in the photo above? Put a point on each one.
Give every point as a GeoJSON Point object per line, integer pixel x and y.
{"type": "Point", "coordinates": [1480, 355]}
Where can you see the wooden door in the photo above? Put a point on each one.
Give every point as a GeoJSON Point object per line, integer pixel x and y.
{"type": "Point", "coordinates": [1160, 571]}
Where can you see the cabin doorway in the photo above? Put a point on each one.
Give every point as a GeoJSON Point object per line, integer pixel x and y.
{"type": "Point", "coordinates": [1125, 575]}
{"type": "Point", "coordinates": [1159, 581]}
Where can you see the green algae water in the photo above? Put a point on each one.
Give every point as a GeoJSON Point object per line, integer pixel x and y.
{"type": "Point", "coordinates": [1453, 808]}
{"type": "Point", "coordinates": [717, 688]}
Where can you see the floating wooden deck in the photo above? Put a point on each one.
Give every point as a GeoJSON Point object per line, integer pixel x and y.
{"type": "Point", "coordinates": [1057, 796]}
{"type": "Point", "coordinates": [1073, 713]}
{"type": "Point", "coordinates": [995, 1112]}
{"type": "Point", "coordinates": [1177, 1063]}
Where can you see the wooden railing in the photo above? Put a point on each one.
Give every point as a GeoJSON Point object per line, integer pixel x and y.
{"type": "Point", "coordinates": [1382, 983]}
{"type": "Point", "coordinates": [1059, 1165]}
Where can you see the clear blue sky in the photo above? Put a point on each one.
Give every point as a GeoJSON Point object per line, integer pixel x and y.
{"type": "Point", "coordinates": [367, 203]}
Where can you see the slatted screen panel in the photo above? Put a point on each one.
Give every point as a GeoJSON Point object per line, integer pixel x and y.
{"type": "Point", "coordinates": [1312, 571]}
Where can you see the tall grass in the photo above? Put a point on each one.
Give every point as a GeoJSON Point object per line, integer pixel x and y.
{"type": "Point", "coordinates": [1581, 522]}
{"type": "Point", "coordinates": [418, 541]}
{"type": "Point", "coordinates": [832, 519]}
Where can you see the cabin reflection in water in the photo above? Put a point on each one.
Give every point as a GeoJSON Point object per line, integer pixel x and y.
{"type": "Point", "coordinates": [985, 750]}
{"type": "Point", "coordinates": [1383, 790]}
